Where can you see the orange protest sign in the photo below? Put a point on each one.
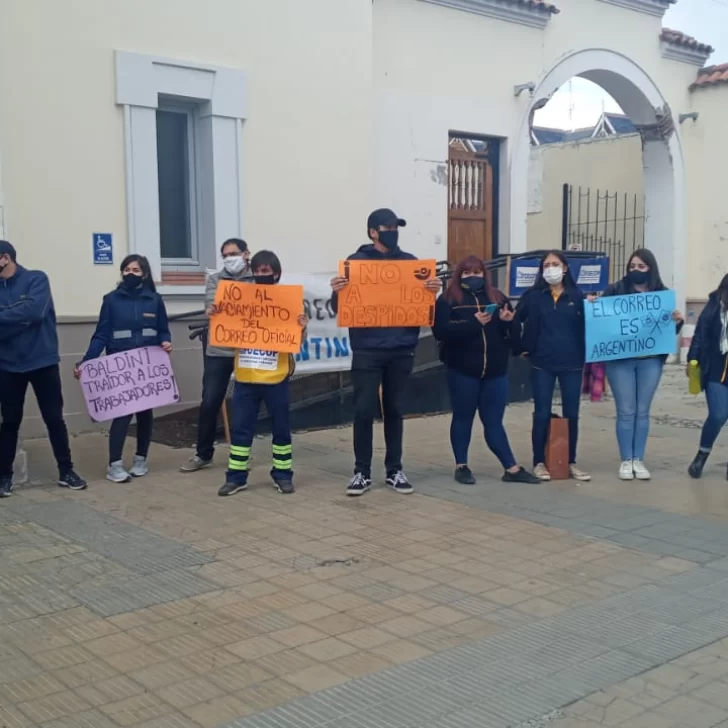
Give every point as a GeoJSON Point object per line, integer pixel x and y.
{"type": "Point", "coordinates": [386, 293]}
{"type": "Point", "coordinates": [257, 317]}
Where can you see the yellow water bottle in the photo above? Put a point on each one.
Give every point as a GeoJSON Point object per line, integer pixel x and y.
{"type": "Point", "coordinates": [694, 377]}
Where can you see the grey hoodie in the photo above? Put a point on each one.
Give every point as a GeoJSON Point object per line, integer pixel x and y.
{"type": "Point", "coordinates": [211, 288]}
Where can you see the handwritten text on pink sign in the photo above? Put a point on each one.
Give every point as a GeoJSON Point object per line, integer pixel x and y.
{"type": "Point", "coordinates": [128, 382]}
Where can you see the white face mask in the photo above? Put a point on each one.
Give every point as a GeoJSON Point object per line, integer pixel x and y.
{"type": "Point", "coordinates": [554, 275]}
{"type": "Point", "coordinates": [234, 264]}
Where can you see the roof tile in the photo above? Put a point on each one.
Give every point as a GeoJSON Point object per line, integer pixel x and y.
{"type": "Point", "coordinates": [712, 75]}
{"type": "Point", "coordinates": [675, 37]}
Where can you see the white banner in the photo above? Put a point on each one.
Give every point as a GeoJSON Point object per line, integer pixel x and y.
{"type": "Point", "coordinates": [327, 346]}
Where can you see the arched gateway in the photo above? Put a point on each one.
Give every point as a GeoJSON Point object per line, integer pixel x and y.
{"type": "Point", "coordinates": [662, 154]}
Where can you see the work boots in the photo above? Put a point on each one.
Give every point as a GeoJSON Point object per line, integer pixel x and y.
{"type": "Point", "coordinates": [696, 467]}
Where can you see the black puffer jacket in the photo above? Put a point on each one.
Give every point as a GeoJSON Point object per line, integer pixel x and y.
{"type": "Point", "coordinates": [467, 346]}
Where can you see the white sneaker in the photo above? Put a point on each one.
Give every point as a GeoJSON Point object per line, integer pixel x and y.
{"type": "Point", "coordinates": [541, 472]}
{"type": "Point", "coordinates": [117, 473]}
{"type": "Point", "coordinates": [640, 471]}
{"type": "Point", "coordinates": [139, 467]}
{"type": "Point", "coordinates": [578, 474]}
{"type": "Point", "coordinates": [626, 472]}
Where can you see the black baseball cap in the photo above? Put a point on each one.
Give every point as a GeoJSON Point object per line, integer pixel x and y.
{"type": "Point", "coordinates": [384, 217]}
{"type": "Point", "coordinates": [7, 249]}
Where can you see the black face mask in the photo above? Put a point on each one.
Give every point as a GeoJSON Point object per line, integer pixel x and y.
{"type": "Point", "coordinates": [389, 238]}
{"type": "Point", "coordinates": [474, 284]}
{"type": "Point", "coordinates": [267, 280]}
{"type": "Point", "coordinates": [638, 277]}
{"type": "Point", "coordinates": [131, 280]}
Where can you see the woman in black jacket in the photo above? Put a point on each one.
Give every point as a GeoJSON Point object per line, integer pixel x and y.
{"type": "Point", "coordinates": [710, 349]}
{"type": "Point", "coordinates": [552, 312]}
{"type": "Point", "coordinates": [475, 326]}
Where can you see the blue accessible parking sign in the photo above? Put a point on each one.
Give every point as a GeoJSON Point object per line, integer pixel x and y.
{"type": "Point", "coordinates": [103, 247]}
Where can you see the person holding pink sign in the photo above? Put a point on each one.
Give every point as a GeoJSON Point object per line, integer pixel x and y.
{"type": "Point", "coordinates": [132, 316]}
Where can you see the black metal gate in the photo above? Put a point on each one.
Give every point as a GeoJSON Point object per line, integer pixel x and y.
{"type": "Point", "coordinates": [601, 221]}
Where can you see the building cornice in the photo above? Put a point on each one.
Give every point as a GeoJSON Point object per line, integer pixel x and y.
{"type": "Point", "coordinates": [657, 8]}
{"type": "Point", "coordinates": [532, 15]}
{"type": "Point", "coordinates": [684, 54]}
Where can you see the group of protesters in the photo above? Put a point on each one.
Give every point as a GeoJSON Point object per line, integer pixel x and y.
{"type": "Point", "coordinates": [477, 329]}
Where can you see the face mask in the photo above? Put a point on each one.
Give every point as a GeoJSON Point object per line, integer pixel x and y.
{"type": "Point", "coordinates": [638, 277]}
{"type": "Point", "coordinates": [389, 238]}
{"type": "Point", "coordinates": [472, 284]}
{"type": "Point", "coordinates": [234, 264]}
{"type": "Point", "coordinates": [554, 275]}
{"type": "Point", "coordinates": [132, 280]}
{"type": "Point", "coordinates": [267, 280]}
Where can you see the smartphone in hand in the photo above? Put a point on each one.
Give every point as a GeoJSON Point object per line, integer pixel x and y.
{"type": "Point", "coordinates": [491, 309]}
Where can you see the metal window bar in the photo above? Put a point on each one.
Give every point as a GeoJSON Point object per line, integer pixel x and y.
{"type": "Point", "coordinates": [611, 223]}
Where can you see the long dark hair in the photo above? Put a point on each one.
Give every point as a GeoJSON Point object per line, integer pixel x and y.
{"type": "Point", "coordinates": [147, 280]}
{"type": "Point", "coordinates": [722, 291]}
{"type": "Point", "coordinates": [472, 264]}
{"type": "Point", "coordinates": [569, 283]}
{"type": "Point", "coordinates": [654, 282]}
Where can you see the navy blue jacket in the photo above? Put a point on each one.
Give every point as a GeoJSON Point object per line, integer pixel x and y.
{"type": "Point", "coordinates": [393, 337]}
{"type": "Point", "coordinates": [553, 332]}
{"type": "Point", "coordinates": [705, 347]}
{"type": "Point", "coordinates": [129, 320]}
{"type": "Point", "coordinates": [468, 347]}
{"type": "Point", "coordinates": [28, 337]}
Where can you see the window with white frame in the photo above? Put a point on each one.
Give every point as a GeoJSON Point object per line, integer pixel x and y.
{"type": "Point", "coordinates": [177, 184]}
{"type": "Point", "coordinates": [183, 137]}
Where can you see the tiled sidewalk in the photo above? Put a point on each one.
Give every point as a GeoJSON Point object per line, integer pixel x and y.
{"type": "Point", "coordinates": [108, 620]}
{"type": "Point", "coordinates": [160, 605]}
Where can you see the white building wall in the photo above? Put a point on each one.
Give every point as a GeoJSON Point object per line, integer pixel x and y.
{"type": "Point", "coordinates": [305, 141]}
{"type": "Point", "coordinates": [438, 70]}
{"type": "Point", "coordinates": [707, 154]}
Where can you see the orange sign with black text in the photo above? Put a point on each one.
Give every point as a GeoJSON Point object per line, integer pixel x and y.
{"type": "Point", "coordinates": [257, 317]}
{"type": "Point", "coordinates": [383, 293]}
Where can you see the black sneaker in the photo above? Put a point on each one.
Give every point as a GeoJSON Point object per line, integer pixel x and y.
{"type": "Point", "coordinates": [72, 481]}
{"type": "Point", "coordinates": [232, 488]}
{"type": "Point", "coordinates": [520, 476]}
{"type": "Point", "coordinates": [397, 480]}
{"type": "Point", "coordinates": [284, 483]}
{"type": "Point", "coordinates": [464, 475]}
{"type": "Point", "coordinates": [6, 487]}
{"type": "Point", "coordinates": [359, 484]}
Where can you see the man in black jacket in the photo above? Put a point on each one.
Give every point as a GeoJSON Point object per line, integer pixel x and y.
{"type": "Point", "coordinates": [380, 356]}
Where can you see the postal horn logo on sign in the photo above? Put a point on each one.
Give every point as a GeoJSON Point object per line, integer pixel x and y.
{"type": "Point", "coordinates": [423, 274]}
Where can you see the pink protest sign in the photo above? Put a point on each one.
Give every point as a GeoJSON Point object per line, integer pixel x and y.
{"type": "Point", "coordinates": [128, 382]}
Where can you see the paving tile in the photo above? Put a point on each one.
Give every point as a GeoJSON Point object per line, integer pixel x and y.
{"type": "Point", "coordinates": [327, 649]}
{"type": "Point", "coordinates": [695, 713]}
{"type": "Point", "coordinates": [316, 677]}
{"type": "Point", "coordinates": [299, 635]}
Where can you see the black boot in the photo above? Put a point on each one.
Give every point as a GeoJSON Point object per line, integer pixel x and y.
{"type": "Point", "coordinates": [696, 467]}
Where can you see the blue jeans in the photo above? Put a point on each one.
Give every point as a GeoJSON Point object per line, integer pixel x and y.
{"type": "Point", "coordinates": [634, 383]}
{"type": "Point", "coordinates": [716, 395]}
{"type": "Point", "coordinates": [543, 383]}
{"type": "Point", "coordinates": [489, 398]}
{"type": "Point", "coordinates": [247, 399]}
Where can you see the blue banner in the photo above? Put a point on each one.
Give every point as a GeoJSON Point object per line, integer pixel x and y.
{"type": "Point", "coordinates": [590, 274]}
{"type": "Point", "coordinates": [624, 327]}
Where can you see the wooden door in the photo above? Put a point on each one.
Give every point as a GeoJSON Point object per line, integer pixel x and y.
{"type": "Point", "coordinates": [470, 205]}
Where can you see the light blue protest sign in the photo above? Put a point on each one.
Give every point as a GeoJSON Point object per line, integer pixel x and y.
{"type": "Point", "coordinates": [624, 327]}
